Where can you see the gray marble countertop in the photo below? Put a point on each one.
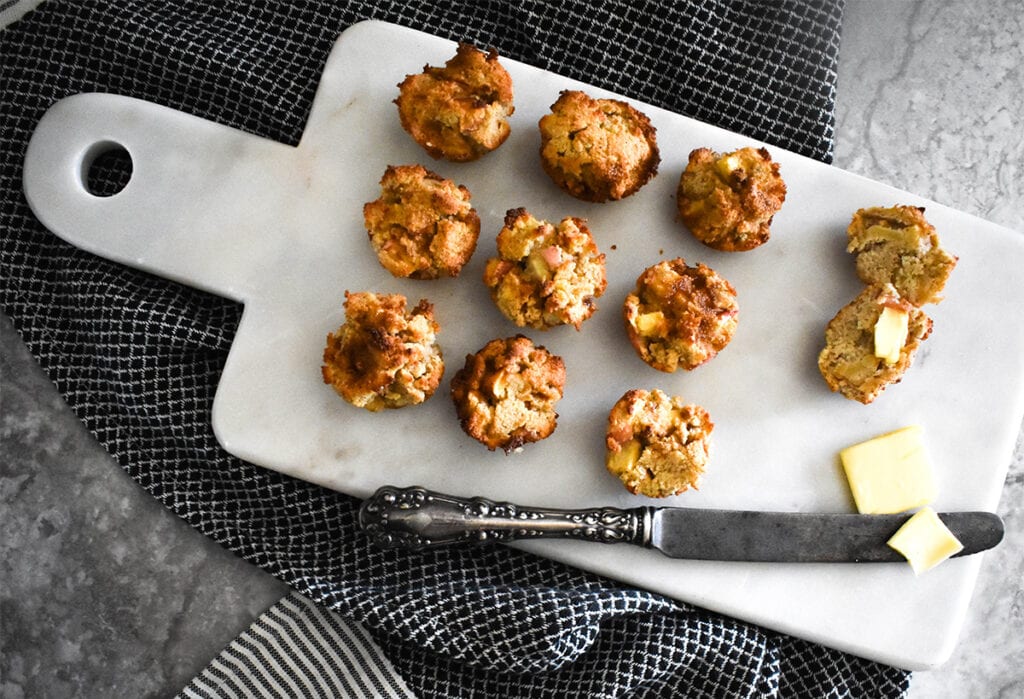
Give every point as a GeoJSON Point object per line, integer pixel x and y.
{"type": "Point", "coordinates": [103, 592]}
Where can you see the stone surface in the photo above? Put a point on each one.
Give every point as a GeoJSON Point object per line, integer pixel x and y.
{"type": "Point", "coordinates": [929, 99]}
{"type": "Point", "coordinates": [105, 593]}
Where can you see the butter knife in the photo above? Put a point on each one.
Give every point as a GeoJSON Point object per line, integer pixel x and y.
{"type": "Point", "coordinates": [415, 518]}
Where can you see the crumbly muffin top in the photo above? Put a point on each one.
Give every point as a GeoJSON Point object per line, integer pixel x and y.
{"type": "Point", "coordinates": [897, 245]}
{"type": "Point", "coordinates": [657, 446]}
{"type": "Point", "coordinates": [728, 200]}
{"type": "Point", "coordinates": [383, 356]}
{"type": "Point", "coordinates": [505, 395]}
{"type": "Point", "coordinates": [458, 112]}
{"type": "Point", "coordinates": [545, 275]}
{"type": "Point", "coordinates": [848, 362]}
{"type": "Point", "coordinates": [597, 149]}
{"type": "Point", "coordinates": [680, 316]}
{"type": "Point", "coordinates": [423, 225]}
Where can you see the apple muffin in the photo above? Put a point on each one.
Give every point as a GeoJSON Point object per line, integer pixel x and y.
{"type": "Point", "coordinates": [728, 200]}
{"type": "Point", "coordinates": [545, 274]}
{"type": "Point", "coordinates": [897, 245]}
{"type": "Point", "coordinates": [458, 112]}
{"type": "Point", "coordinates": [657, 445]}
{"type": "Point", "coordinates": [597, 149]}
{"type": "Point", "coordinates": [383, 355]}
{"type": "Point", "coordinates": [423, 225]}
{"type": "Point", "coordinates": [505, 395]}
{"type": "Point", "coordinates": [871, 342]}
{"type": "Point", "coordinates": [680, 316]}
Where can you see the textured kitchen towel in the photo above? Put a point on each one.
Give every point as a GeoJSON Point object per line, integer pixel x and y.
{"type": "Point", "coordinates": [138, 357]}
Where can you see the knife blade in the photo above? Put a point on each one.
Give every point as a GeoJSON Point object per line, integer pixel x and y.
{"type": "Point", "coordinates": [739, 535]}
{"type": "Point", "coordinates": [415, 518]}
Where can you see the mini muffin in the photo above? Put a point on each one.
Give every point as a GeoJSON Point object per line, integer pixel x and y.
{"type": "Point", "coordinates": [897, 245]}
{"type": "Point", "coordinates": [506, 393]}
{"type": "Point", "coordinates": [545, 275]}
{"type": "Point", "coordinates": [384, 356]}
{"type": "Point", "coordinates": [853, 361]}
{"type": "Point", "coordinates": [423, 225]}
{"type": "Point", "coordinates": [458, 112]}
{"type": "Point", "coordinates": [680, 316]}
{"type": "Point", "coordinates": [597, 149]}
{"type": "Point", "coordinates": [657, 446]}
{"type": "Point", "coordinates": [728, 200]}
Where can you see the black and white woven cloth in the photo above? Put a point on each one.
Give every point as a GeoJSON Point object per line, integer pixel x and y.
{"type": "Point", "coordinates": [138, 357]}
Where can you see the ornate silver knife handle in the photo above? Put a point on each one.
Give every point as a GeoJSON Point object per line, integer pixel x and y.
{"type": "Point", "coordinates": [416, 518]}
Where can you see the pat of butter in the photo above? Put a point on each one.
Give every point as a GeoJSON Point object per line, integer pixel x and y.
{"type": "Point", "coordinates": [925, 541]}
{"type": "Point", "coordinates": [891, 334]}
{"type": "Point", "coordinates": [890, 473]}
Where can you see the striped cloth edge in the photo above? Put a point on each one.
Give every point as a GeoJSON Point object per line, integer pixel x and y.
{"type": "Point", "coordinates": [299, 649]}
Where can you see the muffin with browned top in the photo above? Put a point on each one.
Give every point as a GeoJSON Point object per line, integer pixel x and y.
{"type": "Point", "coordinates": [597, 149]}
{"type": "Point", "coordinates": [458, 112]}
{"type": "Point", "coordinates": [728, 200]}
{"type": "Point", "coordinates": [505, 395]}
{"type": "Point", "coordinates": [383, 356]}
{"type": "Point", "coordinates": [423, 225]}
{"type": "Point", "coordinates": [897, 245]}
{"type": "Point", "coordinates": [545, 274]}
{"type": "Point", "coordinates": [871, 342]}
{"type": "Point", "coordinates": [680, 316]}
{"type": "Point", "coordinates": [657, 445]}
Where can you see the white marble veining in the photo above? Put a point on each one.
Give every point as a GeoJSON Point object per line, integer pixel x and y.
{"type": "Point", "coordinates": [906, 69]}
{"type": "Point", "coordinates": [931, 97]}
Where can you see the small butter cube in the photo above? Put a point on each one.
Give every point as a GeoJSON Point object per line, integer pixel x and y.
{"type": "Point", "coordinates": [890, 473]}
{"type": "Point", "coordinates": [925, 541]}
{"type": "Point", "coordinates": [891, 334]}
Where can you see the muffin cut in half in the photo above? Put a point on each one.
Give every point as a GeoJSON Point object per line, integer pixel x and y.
{"type": "Point", "coordinates": [871, 342]}
{"type": "Point", "coordinates": [897, 245]}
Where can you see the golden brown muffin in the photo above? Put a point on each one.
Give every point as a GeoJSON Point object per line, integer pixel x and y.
{"type": "Point", "coordinates": [897, 245]}
{"type": "Point", "coordinates": [849, 363]}
{"type": "Point", "coordinates": [728, 200]}
{"type": "Point", "coordinates": [423, 225]}
{"type": "Point", "coordinates": [545, 275]}
{"type": "Point", "coordinates": [458, 112]}
{"type": "Point", "coordinates": [680, 316]}
{"type": "Point", "coordinates": [657, 446]}
{"type": "Point", "coordinates": [597, 149]}
{"type": "Point", "coordinates": [506, 393]}
{"type": "Point", "coordinates": [384, 356]}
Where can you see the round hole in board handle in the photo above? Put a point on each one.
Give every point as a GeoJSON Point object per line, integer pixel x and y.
{"type": "Point", "coordinates": [106, 168]}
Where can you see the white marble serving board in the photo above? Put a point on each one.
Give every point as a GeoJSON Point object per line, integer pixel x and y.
{"type": "Point", "coordinates": [280, 229]}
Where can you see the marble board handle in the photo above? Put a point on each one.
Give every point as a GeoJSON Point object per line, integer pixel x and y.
{"type": "Point", "coordinates": [175, 217]}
